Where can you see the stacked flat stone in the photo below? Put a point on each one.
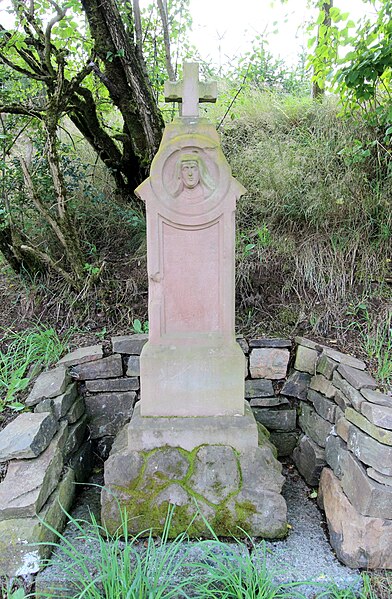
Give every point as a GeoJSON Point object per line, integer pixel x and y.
{"type": "Point", "coordinates": [46, 453]}
{"type": "Point", "coordinates": [273, 409]}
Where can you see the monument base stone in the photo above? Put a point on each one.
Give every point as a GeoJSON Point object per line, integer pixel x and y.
{"type": "Point", "coordinates": [210, 469]}
{"type": "Point", "coordinates": [192, 380]}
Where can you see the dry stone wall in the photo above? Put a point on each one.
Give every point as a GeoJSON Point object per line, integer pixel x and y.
{"type": "Point", "coordinates": [315, 404]}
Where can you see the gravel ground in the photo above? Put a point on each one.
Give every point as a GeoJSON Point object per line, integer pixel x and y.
{"type": "Point", "coordinates": [305, 555]}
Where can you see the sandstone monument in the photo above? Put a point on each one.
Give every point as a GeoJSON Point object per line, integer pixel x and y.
{"type": "Point", "coordinates": [191, 442]}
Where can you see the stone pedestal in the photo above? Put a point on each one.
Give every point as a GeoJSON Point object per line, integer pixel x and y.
{"type": "Point", "coordinates": [210, 468]}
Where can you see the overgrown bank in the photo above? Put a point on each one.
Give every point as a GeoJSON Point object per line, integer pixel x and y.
{"type": "Point", "coordinates": [313, 233]}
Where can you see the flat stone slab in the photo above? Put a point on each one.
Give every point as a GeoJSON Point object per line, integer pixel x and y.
{"type": "Point", "coordinates": [306, 359]}
{"type": "Point", "coordinates": [133, 366]}
{"type": "Point", "coordinates": [112, 385]}
{"type": "Point", "coordinates": [268, 402]}
{"type": "Point", "coordinates": [368, 497]}
{"type": "Point", "coordinates": [359, 541]}
{"type": "Point", "coordinates": [296, 385]}
{"type": "Point", "coordinates": [309, 459]}
{"type": "Point", "coordinates": [129, 344]}
{"type": "Point", "coordinates": [277, 420]}
{"type": "Point", "coordinates": [108, 412]}
{"type": "Point", "coordinates": [323, 406]}
{"type": "Point", "coordinates": [28, 483]}
{"type": "Point", "coordinates": [357, 378]}
{"type": "Point", "coordinates": [27, 436]}
{"type": "Point", "coordinates": [352, 394]}
{"type": "Point", "coordinates": [378, 415]}
{"type": "Point", "coordinates": [82, 355]}
{"type": "Point", "coordinates": [149, 432]}
{"type": "Point", "coordinates": [344, 358]}
{"type": "Point", "coordinates": [25, 542]}
{"type": "Point", "coordinates": [258, 388]}
{"type": "Point", "coordinates": [49, 384]}
{"type": "Point", "coordinates": [380, 478]}
{"type": "Point", "coordinates": [270, 343]}
{"type": "Point", "coordinates": [285, 442]}
{"type": "Point", "coordinates": [377, 397]}
{"type": "Point", "coordinates": [106, 368]}
{"type": "Point", "coordinates": [269, 363]}
{"type": "Point", "coordinates": [369, 451]}
{"type": "Point", "coordinates": [320, 383]}
{"type": "Point", "coordinates": [326, 366]}
{"type": "Point", "coordinates": [380, 434]}
{"type": "Point", "coordinates": [335, 452]}
{"type": "Point", "coordinates": [314, 425]}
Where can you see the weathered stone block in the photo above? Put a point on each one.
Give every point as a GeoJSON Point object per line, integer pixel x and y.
{"type": "Point", "coordinates": [268, 402]}
{"type": "Point", "coordinates": [306, 359]}
{"type": "Point", "coordinates": [258, 388]}
{"type": "Point", "coordinates": [342, 428]}
{"type": "Point", "coordinates": [63, 403]}
{"type": "Point", "coordinates": [380, 478]}
{"type": "Point", "coordinates": [106, 368]}
{"type": "Point", "coordinates": [326, 366]}
{"type": "Point", "coordinates": [25, 542]}
{"type": "Point", "coordinates": [314, 425]}
{"type": "Point", "coordinates": [82, 355]}
{"type": "Point", "coordinates": [359, 541]}
{"type": "Point", "coordinates": [342, 358]}
{"type": "Point", "coordinates": [377, 397]}
{"type": "Point", "coordinates": [28, 483]}
{"type": "Point", "coordinates": [233, 490]}
{"type": "Point", "coordinates": [133, 366]}
{"type": "Point", "coordinates": [108, 412]}
{"type": "Point", "coordinates": [76, 411]}
{"type": "Point", "coordinates": [129, 344]}
{"type": "Point", "coordinates": [354, 396]}
{"type": "Point", "coordinates": [76, 436]}
{"type": "Point", "coordinates": [112, 385]}
{"type": "Point", "coordinates": [296, 385]}
{"type": "Point", "coordinates": [278, 420]}
{"type": "Point", "coordinates": [308, 343]}
{"type": "Point", "coordinates": [342, 401]}
{"type": "Point", "coordinates": [269, 363]}
{"type": "Point", "coordinates": [309, 459]}
{"type": "Point", "coordinates": [244, 345]}
{"type": "Point", "coordinates": [27, 436]}
{"type": "Point", "coordinates": [335, 452]}
{"type": "Point", "coordinates": [380, 434]}
{"type": "Point", "coordinates": [357, 378]}
{"type": "Point", "coordinates": [370, 451]}
{"type": "Point", "coordinates": [323, 385]}
{"type": "Point", "coordinates": [367, 496]}
{"type": "Point", "coordinates": [49, 384]}
{"type": "Point", "coordinates": [323, 406]}
{"type": "Point", "coordinates": [270, 343]}
{"type": "Point", "coordinates": [284, 442]}
{"type": "Point", "coordinates": [378, 415]}
{"type": "Point", "coordinates": [149, 433]}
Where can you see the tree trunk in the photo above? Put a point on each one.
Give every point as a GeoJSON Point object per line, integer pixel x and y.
{"type": "Point", "coordinates": [318, 91]}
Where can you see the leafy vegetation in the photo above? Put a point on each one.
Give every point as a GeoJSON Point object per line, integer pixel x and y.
{"type": "Point", "coordinates": [22, 356]}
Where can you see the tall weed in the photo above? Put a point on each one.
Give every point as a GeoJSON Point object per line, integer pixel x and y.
{"type": "Point", "coordinates": [22, 355]}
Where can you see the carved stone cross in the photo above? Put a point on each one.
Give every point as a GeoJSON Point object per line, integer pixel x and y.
{"type": "Point", "coordinates": [190, 91]}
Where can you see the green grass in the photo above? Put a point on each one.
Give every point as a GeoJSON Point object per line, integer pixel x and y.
{"type": "Point", "coordinates": [22, 355]}
{"type": "Point", "coordinates": [120, 566]}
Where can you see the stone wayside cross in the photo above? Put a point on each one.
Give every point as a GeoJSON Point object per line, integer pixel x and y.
{"type": "Point", "coordinates": [190, 91]}
{"type": "Point", "coordinates": [192, 438]}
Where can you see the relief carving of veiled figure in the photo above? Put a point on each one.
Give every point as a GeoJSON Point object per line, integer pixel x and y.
{"type": "Point", "coordinates": [192, 182]}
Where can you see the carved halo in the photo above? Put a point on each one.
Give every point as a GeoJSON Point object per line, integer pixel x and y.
{"type": "Point", "coordinates": [214, 172]}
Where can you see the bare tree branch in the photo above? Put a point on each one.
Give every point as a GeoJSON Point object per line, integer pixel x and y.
{"type": "Point", "coordinates": [48, 32]}
{"type": "Point", "coordinates": [166, 38]}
